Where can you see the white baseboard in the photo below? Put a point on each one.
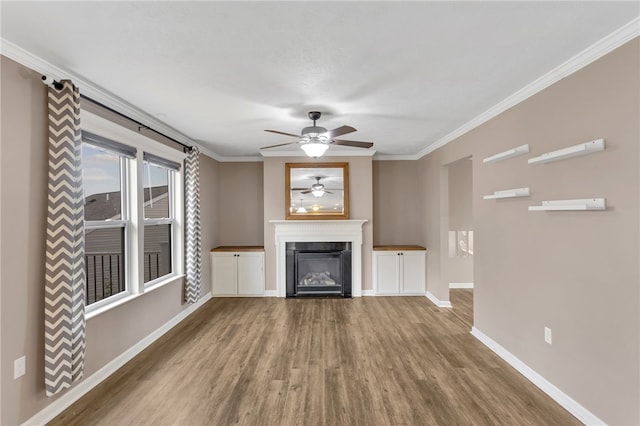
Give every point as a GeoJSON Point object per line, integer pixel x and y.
{"type": "Point", "coordinates": [439, 303]}
{"type": "Point", "coordinates": [271, 293]}
{"type": "Point", "coordinates": [265, 294]}
{"type": "Point", "coordinates": [75, 393]}
{"type": "Point", "coordinates": [577, 410]}
{"type": "Point", "coordinates": [460, 285]}
{"type": "Point", "coordinates": [374, 294]}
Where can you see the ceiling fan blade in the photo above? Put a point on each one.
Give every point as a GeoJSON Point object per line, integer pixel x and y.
{"type": "Point", "coordinates": [342, 130]}
{"type": "Point", "coordinates": [306, 192]}
{"type": "Point", "coordinates": [328, 192]}
{"type": "Point", "coordinates": [356, 144]}
{"type": "Point", "coordinates": [280, 144]}
{"type": "Point", "coordinates": [283, 133]}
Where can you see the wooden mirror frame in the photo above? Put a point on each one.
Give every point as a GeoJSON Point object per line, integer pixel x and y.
{"type": "Point", "coordinates": [289, 215]}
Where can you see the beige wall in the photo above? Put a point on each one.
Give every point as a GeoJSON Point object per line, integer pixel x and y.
{"type": "Point", "coordinates": [23, 203]}
{"type": "Point", "coordinates": [576, 272]}
{"type": "Point", "coordinates": [460, 269]}
{"type": "Point", "coordinates": [209, 215]}
{"type": "Point", "coordinates": [397, 201]}
{"type": "Point", "coordinates": [361, 207]}
{"type": "Point", "coordinates": [241, 206]}
{"type": "Point", "coordinates": [24, 195]}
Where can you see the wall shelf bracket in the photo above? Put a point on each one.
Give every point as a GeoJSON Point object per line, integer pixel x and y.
{"type": "Point", "coordinates": [583, 204]}
{"type": "Point", "coordinates": [522, 149]}
{"type": "Point", "coordinates": [572, 151]}
{"type": "Point", "coordinates": [508, 193]}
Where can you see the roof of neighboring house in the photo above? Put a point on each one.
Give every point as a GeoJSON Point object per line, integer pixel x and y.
{"type": "Point", "coordinates": [106, 205]}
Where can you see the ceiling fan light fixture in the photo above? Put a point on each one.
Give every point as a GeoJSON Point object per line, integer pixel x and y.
{"type": "Point", "coordinates": [317, 193]}
{"type": "Point", "coordinates": [314, 149]}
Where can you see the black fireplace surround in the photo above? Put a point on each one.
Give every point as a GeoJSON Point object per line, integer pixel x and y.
{"type": "Point", "coordinates": [318, 269]}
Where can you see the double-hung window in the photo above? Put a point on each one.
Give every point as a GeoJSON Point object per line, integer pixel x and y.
{"type": "Point", "coordinates": [159, 177]}
{"type": "Point", "coordinates": [105, 177]}
{"type": "Point", "coordinates": [133, 210]}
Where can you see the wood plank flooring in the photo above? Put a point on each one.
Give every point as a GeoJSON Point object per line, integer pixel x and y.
{"type": "Point", "coordinates": [365, 361]}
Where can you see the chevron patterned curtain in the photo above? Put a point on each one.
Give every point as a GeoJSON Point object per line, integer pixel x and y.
{"type": "Point", "coordinates": [193, 241]}
{"type": "Point", "coordinates": [64, 321]}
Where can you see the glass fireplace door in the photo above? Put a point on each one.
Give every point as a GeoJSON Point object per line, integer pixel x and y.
{"type": "Point", "coordinates": [318, 273]}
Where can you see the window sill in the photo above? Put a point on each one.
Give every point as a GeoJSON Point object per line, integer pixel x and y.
{"type": "Point", "coordinates": [127, 297]}
{"type": "Point", "coordinates": [161, 282]}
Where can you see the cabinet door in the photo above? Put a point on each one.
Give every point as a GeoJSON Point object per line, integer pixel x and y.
{"type": "Point", "coordinates": [223, 266]}
{"type": "Point", "coordinates": [413, 272]}
{"type": "Point", "coordinates": [387, 272]}
{"type": "Point", "coordinates": [251, 273]}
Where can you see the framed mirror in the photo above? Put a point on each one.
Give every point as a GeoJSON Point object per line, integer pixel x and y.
{"type": "Point", "coordinates": [317, 191]}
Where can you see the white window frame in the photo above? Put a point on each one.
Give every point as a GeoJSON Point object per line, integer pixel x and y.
{"type": "Point", "coordinates": [133, 216]}
{"type": "Point", "coordinates": [171, 220]}
{"type": "Point", "coordinates": [124, 222]}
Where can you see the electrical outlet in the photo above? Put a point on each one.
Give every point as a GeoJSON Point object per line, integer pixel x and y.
{"type": "Point", "coordinates": [547, 335]}
{"type": "Point", "coordinates": [19, 367]}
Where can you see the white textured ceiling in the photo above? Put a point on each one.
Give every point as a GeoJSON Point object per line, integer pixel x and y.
{"type": "Point", "coordinates": [404, 74]}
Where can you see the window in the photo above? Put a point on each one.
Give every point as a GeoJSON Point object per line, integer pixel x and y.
{"type": "Point", "coordinates": [133, 212]}
{"type": "Point", "coordinates": [103, 178]}
{"type": "Point", "coordinates": [158, 185]}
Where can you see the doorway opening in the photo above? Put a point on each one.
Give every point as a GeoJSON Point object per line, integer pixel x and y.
{"type": "Point", "coordinates": [460, 238]}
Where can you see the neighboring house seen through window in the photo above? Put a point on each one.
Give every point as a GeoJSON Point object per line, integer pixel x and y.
{"type": "Point", "coordinates": [105, 214]}
{"type": "Point", "coordinates": [158, 178]}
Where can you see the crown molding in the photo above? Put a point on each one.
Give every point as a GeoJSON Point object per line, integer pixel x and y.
{"type": "Point", "coordinates": [592, 53]}
{"type": "Point", "coordinates": [391, 157]}
{"type": "Point", "coordinates": [208, 152]}
{"type": "Point", "coordinates": [240, 159]}
{"type": "Point", "coordinates": [334, 153]}
{"type": "Point", "coordinates": [90, 89]}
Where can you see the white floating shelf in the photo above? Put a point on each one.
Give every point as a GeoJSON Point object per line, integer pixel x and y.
{"type": "Point", "coordinates": [508, 193]}
{"type": "Point", "coordinates": [585, 204]}
{"type": "Point", "coordinates": [522, 149]}
{"type": "Point", "coordinates": [572, 151]}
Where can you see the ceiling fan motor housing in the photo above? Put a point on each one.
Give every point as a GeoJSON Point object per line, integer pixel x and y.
{"type": "Point", "coordinates": [313, 132]}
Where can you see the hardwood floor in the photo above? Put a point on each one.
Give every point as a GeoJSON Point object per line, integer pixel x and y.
{"type": "Point", "coordinates": [365, 361]}
{"type": "Point", "coordinates": [462, 302]}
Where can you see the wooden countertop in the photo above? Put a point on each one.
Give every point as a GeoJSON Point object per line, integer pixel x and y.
{"type": "Point", "coordinates": [399, 248]}
{"type": "Point", "coordinates": [238, 248]}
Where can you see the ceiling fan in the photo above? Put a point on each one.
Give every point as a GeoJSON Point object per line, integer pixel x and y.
{"type": "Point", "coordinates": [317, 189]}
{"type": "Point", "coordinates": [315, 140]}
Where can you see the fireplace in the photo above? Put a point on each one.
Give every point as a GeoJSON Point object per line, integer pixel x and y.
{"type": "Point", "coordinates": [318, 269]}
{"type": "Point", "coordinates": [294, 231]}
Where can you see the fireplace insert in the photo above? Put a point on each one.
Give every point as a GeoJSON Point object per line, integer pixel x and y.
{"type": "Point", "coordinates": [318, 269]}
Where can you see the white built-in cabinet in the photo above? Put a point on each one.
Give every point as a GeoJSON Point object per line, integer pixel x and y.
{"type": "Point", "coordinates": [237, 271]}
{"type": "Point", "coordinates": [399, 270]}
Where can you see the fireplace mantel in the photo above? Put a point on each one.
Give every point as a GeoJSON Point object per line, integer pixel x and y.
{"type": "Point", "coordinates": [319, 230]}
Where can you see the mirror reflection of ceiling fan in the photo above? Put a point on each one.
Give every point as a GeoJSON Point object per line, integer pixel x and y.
{"type": "Point", "coordinates": [314, 140]}
{"type": "Point", "coordinates": [317, 189]}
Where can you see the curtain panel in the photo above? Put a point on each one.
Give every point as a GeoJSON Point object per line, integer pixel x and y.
{"type": "Point", "coordinates": [64, 327]}
{"type": "Point", "coordinates": [193, 239]}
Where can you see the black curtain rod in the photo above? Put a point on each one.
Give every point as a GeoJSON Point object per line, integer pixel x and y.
{"type": "Point", "coordinates": [141, 125]}
{"type": "Point", "coordinates": [59, 86]}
